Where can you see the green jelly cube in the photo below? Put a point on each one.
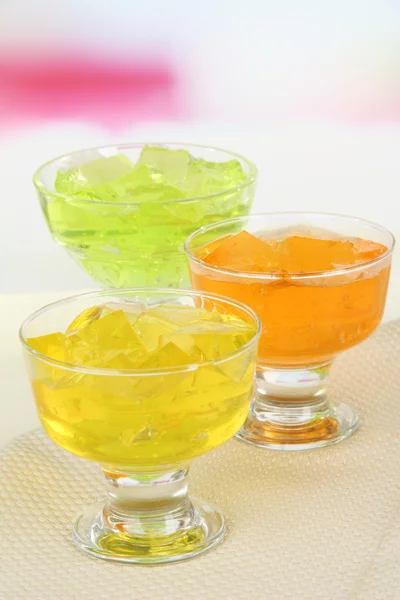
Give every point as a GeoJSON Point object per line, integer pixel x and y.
{"type": "Point", "coordinates": [157, 192]}
{"type": "Point", "coordinates": [93, 174]}
{"type": "Point", "coordinates": [204, 177]}
{"type": "Point", "coordinates": [141, 184]}
{"type": "Point", "coordinates": [173, 164]}
{"type": "Point", "coordinates": [190, 212]}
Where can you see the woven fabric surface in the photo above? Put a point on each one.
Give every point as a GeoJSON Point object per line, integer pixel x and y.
{"type": "Point", "coordinates": [316, 525]}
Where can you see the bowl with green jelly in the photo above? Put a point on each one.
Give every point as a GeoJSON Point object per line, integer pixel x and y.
{"type": "Point", "coordinates": [123, 212]}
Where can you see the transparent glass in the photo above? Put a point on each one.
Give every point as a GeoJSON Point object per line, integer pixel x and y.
{"type": "Point", "coordinates": [144, 428]}
{"type": "Point", "coordinates": [307, 320]}
{"type": "Point", "coordinates": [136, 243]}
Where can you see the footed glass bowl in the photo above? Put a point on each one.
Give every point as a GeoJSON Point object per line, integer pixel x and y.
{"type": "Point", "coordinates": [143, 426]}
{"type": "Point", "coordinates": [308, 317]}
{"type": "Point", "coordinates": [123, 212]}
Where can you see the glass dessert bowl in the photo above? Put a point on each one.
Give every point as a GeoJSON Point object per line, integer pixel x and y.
{"type": "Point", "coordinates": [142, 382]}
{"type": "Point", "coordinates": [318, 282]}
{"type": "Point", "coordinates": [123, 212]}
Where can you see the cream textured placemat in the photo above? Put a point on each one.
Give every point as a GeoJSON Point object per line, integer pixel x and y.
{"type": "Point", "coordinates": [317, 525]}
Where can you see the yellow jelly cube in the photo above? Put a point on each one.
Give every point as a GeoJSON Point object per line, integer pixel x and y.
{"type": "Point", "coordinates": [85, 318]}
{"type": "Point", "coordinates": [205, 341]}
{"type": "Point", "coordinates": [119, 361]}
{"type": "Point", "coordinates": [184, 315]}
{"type": "Point", "coordinates": [150, 325]}
{"type": "Point", "coordinates": [103, 339]}
{"type": "Point", "coordinates": [167, 356]}
{"type": "Point", "coordinates": [52, 345]}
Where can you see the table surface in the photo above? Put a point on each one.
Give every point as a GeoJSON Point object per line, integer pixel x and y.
{"type": "Point", "coordinates": [351, 170]}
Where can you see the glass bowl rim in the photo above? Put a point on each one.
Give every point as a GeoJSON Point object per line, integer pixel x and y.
{"type": "Point", "coordinates": [40, 187]}
{"type": "Point", "coordinates": [139, 372]}
{"type": "Point", "coordinates": [292, 276]}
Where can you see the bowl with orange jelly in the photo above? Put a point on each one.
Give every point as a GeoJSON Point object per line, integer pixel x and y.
{"type": "Point", "coordinates": [318, 282]}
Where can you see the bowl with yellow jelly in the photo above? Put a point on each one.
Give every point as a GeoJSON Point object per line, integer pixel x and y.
{"type": "Point", "coordinates": [123, 212]}
{"type": "Point", "coordinates": [142, 381]}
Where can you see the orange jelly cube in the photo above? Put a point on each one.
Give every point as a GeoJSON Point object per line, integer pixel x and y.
{"type": "Point", "coordinates": [244, 252]}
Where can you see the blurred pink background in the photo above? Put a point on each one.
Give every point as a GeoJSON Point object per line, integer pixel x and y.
{"type": "Point", "coordinates": [119, 63]}
{"type": "Point", "coordinates": [95, 88]}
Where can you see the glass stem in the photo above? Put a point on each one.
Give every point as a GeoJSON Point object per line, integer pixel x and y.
{"type": "Point", "coordinates": [148, 518]}
{"type": "Point", "coordinates": [292, 397]}
{"type": "Point", "coordinates": [291, 410]}
{"type": "Point", "coordinates": [147, 502]}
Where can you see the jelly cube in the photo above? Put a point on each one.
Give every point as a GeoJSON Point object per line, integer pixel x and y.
{"type": "Point", "coordinates": [156, 193]}
{"type": "Point", "coordinates": [171, 163]}
{"type": "Point", "coordinates": [103, 339]}
{"type": "Point", "coordinates": [170, 355]}
{"type": "Point", "coordinates": [52, 345]}
{"type": "Point", "coordinates": [243, 252]}
{"type": "Point", "coordinates": [204, 177]}
{"type": "Point", "coordinates": [85, 318]}
{"type": "Point", "coordinates": [205, 341]}
{"type": "Point", "coordinates": [93, 174]}
{"type": "Point", "coordinates": [119, 362]}
{"type": "Point", "coordinates": [304, 255]}
{"type": "Point", "coordinates": [184, 315]}
{"type": "Point", "coordinates": [367, 250]}
{"type": "Point", "coordinates": [186, 212]}
{"type": "Point", "coordinates": [150, 325]}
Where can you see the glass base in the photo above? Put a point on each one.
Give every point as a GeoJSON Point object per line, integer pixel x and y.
{"type": "Point", "coordinates": [342, 422]}
{"type": "Point", "coordinates": [291, 411]}
{"type": "Point", "coordinates": [149, 540]}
